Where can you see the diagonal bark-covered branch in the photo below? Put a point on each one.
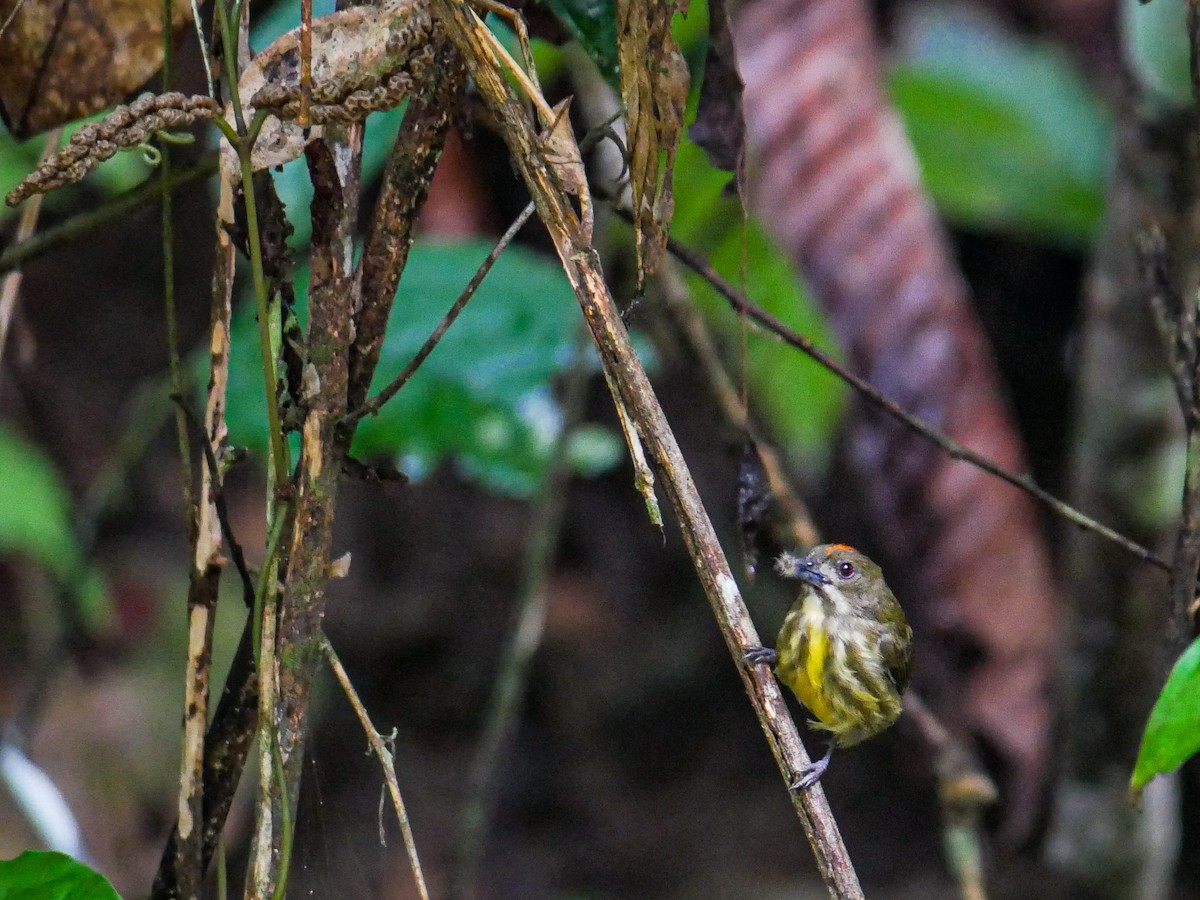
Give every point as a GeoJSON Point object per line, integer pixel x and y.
{"type": "Point", "coordinates": [302, 602]}
{"type": "Point", "coordinates": [581, 264]}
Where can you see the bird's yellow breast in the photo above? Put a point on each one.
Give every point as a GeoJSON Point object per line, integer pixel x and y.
{"type": "Point", "coordinates": [803, 648]}
{"type": "Point", "coordinates": [832, 662]}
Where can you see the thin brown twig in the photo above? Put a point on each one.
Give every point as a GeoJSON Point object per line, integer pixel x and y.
{"type": "Point", "coordinates": [218, 500]}
{"type": "Point", "coordinates": [190, 839]}
{"type": "Point", "coordinates": [386, 762]}
{"type": "Point", "coordinates": [1187, 377]}
{"type": "Point", "coordinates": [773, 326]}
{"type": "Point", "coordinates": [226, 743]}
{"type": "Point", "coordinates": [376, 403]}
{"type": "Point", "coordinates": [306, 14]}
{"type": "Point", "coordinates": [965, 793]}
{"type": "Point", "coordinates": [12, 16]}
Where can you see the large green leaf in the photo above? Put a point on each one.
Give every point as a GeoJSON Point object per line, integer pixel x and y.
{"type": "Point", "coordinates": [483, 395]}
{"type": "Point", "coordinates": [1173, 731]}
{"type": "Point", "coordinates": [41, 875]}
{"type": "Point", "coordinates": [36, 520]}
{"type": "Point", "coordinates": [1007, 133]}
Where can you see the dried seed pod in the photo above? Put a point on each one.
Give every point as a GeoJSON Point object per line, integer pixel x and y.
{"type": "Point", "coordinates": [126, 126]}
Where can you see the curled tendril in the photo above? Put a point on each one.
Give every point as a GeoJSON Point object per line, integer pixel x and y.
{"type": "Point", "coordinates": [151, 154]}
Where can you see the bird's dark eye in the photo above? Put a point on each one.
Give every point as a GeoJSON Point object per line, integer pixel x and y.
{"type": "Point", "coordinates": [845, 569]}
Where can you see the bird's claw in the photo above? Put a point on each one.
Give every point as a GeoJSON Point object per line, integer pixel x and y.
{"type": "Point", "coordinates": [812, 773]}
{"type": "Point", "coordinates": [761, 656]}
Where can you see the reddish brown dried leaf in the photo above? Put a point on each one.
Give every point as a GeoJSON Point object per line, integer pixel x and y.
{"type": "Point", "coordinates": [66, 59]}
{"type": "Point", "coordinates": [720, 129]}
{"type": "Point", "coordinates": [839, 187]}
{"type": "Point", "coordinates": [654, 88]}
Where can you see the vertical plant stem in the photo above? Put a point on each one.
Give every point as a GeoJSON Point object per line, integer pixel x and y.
{"type": "Point", "coordinates": [504, 709]}
{"type": "Point", "coordinates": [1187, 544]}
{"type": "Point", "coordinates": [175, 364]}
{"type": "Point", "coordinates": [203, 532]}
{"type": "Point", "coordinates": [333, 296]}
{"type": "Point", "coordinates": [268, 313]}
{"type": "Point", "coordinates": [187, 852]}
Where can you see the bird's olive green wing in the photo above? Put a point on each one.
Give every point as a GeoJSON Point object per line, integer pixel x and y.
{"type": "Point", "coordinates": [897, 654]}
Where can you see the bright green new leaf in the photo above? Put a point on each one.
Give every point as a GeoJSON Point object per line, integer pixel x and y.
{"type": "Point", "coordinates": [1173, 731]}
{"type": "Point", "coordinates": [42, 875]}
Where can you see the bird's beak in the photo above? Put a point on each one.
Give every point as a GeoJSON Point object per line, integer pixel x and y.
{"type": "Point", "coordinates": [807, 571]}
{"type": "Point", "coordinates": [802, 569]}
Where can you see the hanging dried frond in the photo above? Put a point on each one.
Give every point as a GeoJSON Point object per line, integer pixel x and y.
{"type": "Point", "coordinates": [654, 88]}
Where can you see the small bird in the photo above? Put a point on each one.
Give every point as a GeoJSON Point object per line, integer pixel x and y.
{"type": "Point", "coordinates": [845, 648]}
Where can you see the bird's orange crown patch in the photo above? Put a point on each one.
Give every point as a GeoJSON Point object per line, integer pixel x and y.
{"type": "Point", "coordinates": [833, 547]}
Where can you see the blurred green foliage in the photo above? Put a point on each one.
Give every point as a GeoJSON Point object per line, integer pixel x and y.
{"type": "Point", "coordinates": [46, 875]}
{"type": "Point", "coordinates": [1008, 137]}
{"type": "Point", "coordinates": [593, 23]}
{"type": "Point", "coordinates": [799, 398]}
{"type": "Point", "coordinates": [1156, 47]}
{"type": "Point", "coordinates": [1008, 134]}
{"type": "Point", "coordinates": [36, 520]}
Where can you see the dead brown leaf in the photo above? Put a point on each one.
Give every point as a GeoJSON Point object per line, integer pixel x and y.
{"type": "Point", "coordinates": [654, 88]}
{"type": "Point", "coordinates": [66, 59]}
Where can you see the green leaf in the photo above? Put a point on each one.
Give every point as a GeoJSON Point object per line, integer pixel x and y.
{"type": "Point", "coordinates": [40, 875]}
{"type": "Point", "coordinates": [594, 24]}
{"type": "Point", "coordinates": [1007, 132]}
{"type": "Point", "coordinates": [483, 395]}
{"type": "Point", "coordinates": [36, 520]}
{"type": "Point", "coordinates": [1173, 731]}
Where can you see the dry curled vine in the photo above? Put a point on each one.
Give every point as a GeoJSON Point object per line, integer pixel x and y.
{"type": "Point", "coordinates": [125, 127]}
